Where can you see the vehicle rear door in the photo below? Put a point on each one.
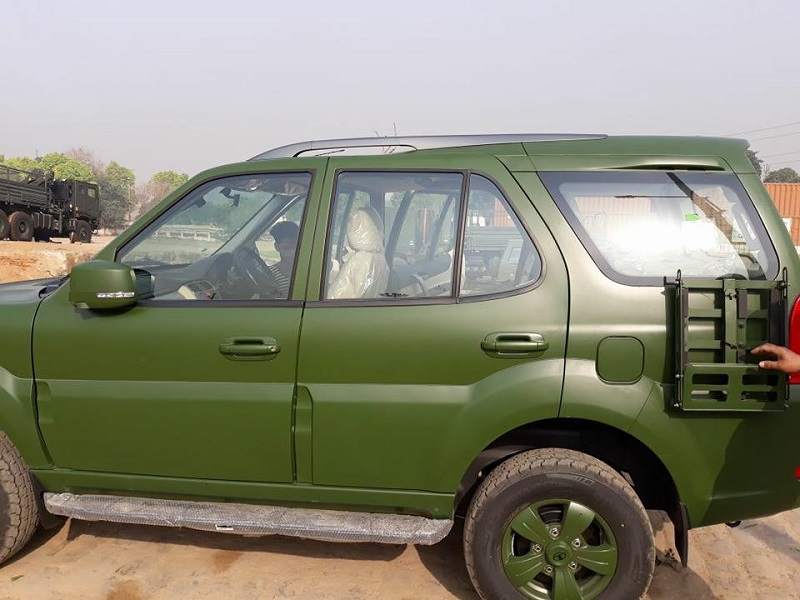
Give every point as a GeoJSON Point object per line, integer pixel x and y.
{"type": "Point", "coordinates": [423, 344]}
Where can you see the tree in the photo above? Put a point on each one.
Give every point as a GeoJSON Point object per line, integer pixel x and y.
{"type": "Point", "coordinates": [87, 157]}
{"type": "Point", "coordinates": [784, 175]}
{"type": "Point", "coordinates": [23, 163]}
{"type": "Point", "coordinates": [61, 165]}
{"type": "Point", "coordinates": [64, 167]}
{"type": "Point", "coordinates": [173, 179]}
{"type": "Point", "coordinates": [116, 195]}
{"type": "Point", "coordinates": [160, 185]}
{"type": "Point", "coordinates": [757, 162]}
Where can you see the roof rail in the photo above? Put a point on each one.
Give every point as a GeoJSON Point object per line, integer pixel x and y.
{"type": "Point", "coordinates": [420, 142]}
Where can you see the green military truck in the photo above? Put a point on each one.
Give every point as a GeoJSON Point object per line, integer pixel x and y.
{"type": "Point", "coordinates": [539, 336]}
{"type": "Point", "coordinates": [35, 206]}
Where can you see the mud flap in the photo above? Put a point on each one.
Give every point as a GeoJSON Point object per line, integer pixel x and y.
{"type": "Point", "coordinates": [680, 523]}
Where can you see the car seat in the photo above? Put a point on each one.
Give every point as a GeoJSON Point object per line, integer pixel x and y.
{"type": "Point", "coordinates": [364, 272]}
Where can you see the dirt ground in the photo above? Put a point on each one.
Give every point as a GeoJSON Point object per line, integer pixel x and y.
{"type": "Point", "coordinates": [32, 260]}
{"type": "Point", "coordinates": [759, 560]}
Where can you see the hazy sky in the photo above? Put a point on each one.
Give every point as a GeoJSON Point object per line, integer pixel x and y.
{"type": "Point", "coordinates": [191, 84]}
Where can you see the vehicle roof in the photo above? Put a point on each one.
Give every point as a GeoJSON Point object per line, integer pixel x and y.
{"type": "Point", "coordinates": [553, 151]}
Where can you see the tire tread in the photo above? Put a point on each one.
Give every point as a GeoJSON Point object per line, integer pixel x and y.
{"type": "Point", "coordinates": [23, 514]}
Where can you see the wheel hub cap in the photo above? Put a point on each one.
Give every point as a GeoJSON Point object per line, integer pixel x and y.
{"type": "Point", "coordinates": [559, 549]}
{"type": "Point", "coordinates": [558, 554]}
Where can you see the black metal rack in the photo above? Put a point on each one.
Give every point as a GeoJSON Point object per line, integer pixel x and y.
{"type": "Point", "coordinates": [717, 323]}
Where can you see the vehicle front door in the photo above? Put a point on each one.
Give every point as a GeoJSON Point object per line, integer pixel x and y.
{"type": "Point", "coordinates": [436, 320]}
{"type": "Point", "coordinates": [198, 381]}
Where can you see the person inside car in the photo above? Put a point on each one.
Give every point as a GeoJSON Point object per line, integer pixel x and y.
{"type": "Point", "coordinates": [285, 234]}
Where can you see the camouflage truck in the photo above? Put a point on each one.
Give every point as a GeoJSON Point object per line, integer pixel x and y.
{"type": "Point", "coordinates": [35, 206]}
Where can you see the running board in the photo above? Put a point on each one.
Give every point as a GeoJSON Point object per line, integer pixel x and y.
{"type": "Point", "coordinates": [251, 519]}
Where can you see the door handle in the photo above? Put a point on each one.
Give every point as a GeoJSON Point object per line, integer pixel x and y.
{"type": "Point", "coordinates": [249, 348]}
{"type": "Point", "coordinates": [514, 344]}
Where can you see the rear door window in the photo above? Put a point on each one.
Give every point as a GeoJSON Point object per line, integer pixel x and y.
{"type": "Point", "coordinates": [398, 235]}
{"type": "Point", "coordinates": [393, 235]}
{"type": "Point", "coordinates": [642, 226]}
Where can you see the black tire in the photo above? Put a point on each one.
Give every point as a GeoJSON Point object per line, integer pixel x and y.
{"type": "Point", "coordinates": [82, 233]}
{"type": "Point", "coordinates": [19, 514]}
{"type": "Point", "coordinates": [21, 226]}
{"type": "Point", "coordinates": [4, 225]}
{"type": "Point", "coordinates": [539, 475]}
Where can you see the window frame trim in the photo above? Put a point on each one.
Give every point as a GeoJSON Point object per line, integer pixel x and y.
{"type": "Point", "coordinates": [238, 303]}
{"type": "Point", "coordinates": [599, 259]}
{"type": "Point", "coordinates": [455, 297]}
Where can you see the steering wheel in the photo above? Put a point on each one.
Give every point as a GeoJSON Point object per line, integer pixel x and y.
{"type": "Point", "coordinates": [255, 271]}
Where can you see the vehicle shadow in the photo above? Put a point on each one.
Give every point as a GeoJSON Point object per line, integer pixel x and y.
{"type": "Point", "coordinates": [445, 561]}
{"type": "Point", "coordinates": [774, 539]}
{"type": "Point", "coordinates": [672, 580]}
{"type": "Point", "coordinates": [273, 544]}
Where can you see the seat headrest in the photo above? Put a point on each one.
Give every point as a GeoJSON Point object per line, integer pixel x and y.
{"type": "Point", "coordinates": [364, 232]}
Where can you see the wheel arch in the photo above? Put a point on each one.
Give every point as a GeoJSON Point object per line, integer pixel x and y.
{"type": "Point", "coordinates": [640, 465]}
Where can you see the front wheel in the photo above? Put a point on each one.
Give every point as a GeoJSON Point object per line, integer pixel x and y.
{"type": "Point", "coordinates": [554, 524]}
{"type": "Point", "coordinates": [82, 233]}
{"type": "Point", "coordinates": [19, 514]}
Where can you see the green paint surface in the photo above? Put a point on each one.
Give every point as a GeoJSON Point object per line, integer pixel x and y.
{"type": "Point", "coordinates": [386, 406]}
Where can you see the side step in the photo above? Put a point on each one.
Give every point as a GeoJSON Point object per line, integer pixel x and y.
{"type": "Point", "coordinates": [251, 519]}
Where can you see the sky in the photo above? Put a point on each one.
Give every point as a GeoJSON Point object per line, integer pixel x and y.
{"type": "Point", "coordinates": [188, 85]}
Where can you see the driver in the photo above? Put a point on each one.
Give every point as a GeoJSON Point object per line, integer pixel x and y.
{"type": "Point", "coordinates": [285, 234]}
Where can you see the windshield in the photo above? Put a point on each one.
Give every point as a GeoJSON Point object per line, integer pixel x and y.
{"type": "Point", "coordinates": [643, 226]}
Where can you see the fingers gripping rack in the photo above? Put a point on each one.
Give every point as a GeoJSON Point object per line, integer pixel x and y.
{"type": "Point", "coordinates": [717, 322]}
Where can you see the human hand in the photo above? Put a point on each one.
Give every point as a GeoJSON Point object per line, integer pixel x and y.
{"type": "Point", "coordinates": [787, 361]}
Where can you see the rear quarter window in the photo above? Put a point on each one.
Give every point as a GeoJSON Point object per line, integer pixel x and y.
{"type": "Point", "coordinates": [642, 226]}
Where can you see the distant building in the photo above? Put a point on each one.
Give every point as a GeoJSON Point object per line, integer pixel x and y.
{"type": "Point", "coordinates": [786, 197]}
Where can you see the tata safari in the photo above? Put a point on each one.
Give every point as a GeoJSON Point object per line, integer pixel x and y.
{"type": "Point", "coordinates": [542, 336]}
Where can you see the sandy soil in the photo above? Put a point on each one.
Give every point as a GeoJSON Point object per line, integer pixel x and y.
{"type": "Point", "coordinates": [31, 260]}
{"type": "Point", "coordinates": [760, 559]}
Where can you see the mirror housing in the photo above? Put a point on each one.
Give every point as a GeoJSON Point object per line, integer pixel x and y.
{"type": "Point", "coordinates": [104, 285]}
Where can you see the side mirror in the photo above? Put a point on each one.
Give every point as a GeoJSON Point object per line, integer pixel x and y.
{"type": "Point", "coordinates": [103, 285]}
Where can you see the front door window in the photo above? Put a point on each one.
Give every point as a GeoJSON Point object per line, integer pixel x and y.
{"type": "Point", "coordinates": [230, 239]}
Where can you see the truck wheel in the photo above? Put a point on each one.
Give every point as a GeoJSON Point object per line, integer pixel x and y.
{"type": "Point", "coordinates": [19, 514]}
{"type": "Point", "coordinates": [4, 226]}
{"type": "Point", "coordinates": [553, 523]}
{"type": "Point", "coordinates": [82, 233]}
{"type": "Point", "coordinates": [21, 225]}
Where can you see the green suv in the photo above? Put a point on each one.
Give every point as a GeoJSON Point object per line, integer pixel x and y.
{"type": "Point", "coordinates": [544, 336]}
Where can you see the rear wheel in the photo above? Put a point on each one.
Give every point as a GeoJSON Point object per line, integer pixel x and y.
{"type": "Point", "coordinates": [19, 514]}
{"type": "Point", "coordinates": [21, 227]}
{"type": "Point", "coordinates": [4, 226]}
{"type": "Point", "coordinates": [556, 524]}
{"type": "Point", "coordinates": [82, 233]}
